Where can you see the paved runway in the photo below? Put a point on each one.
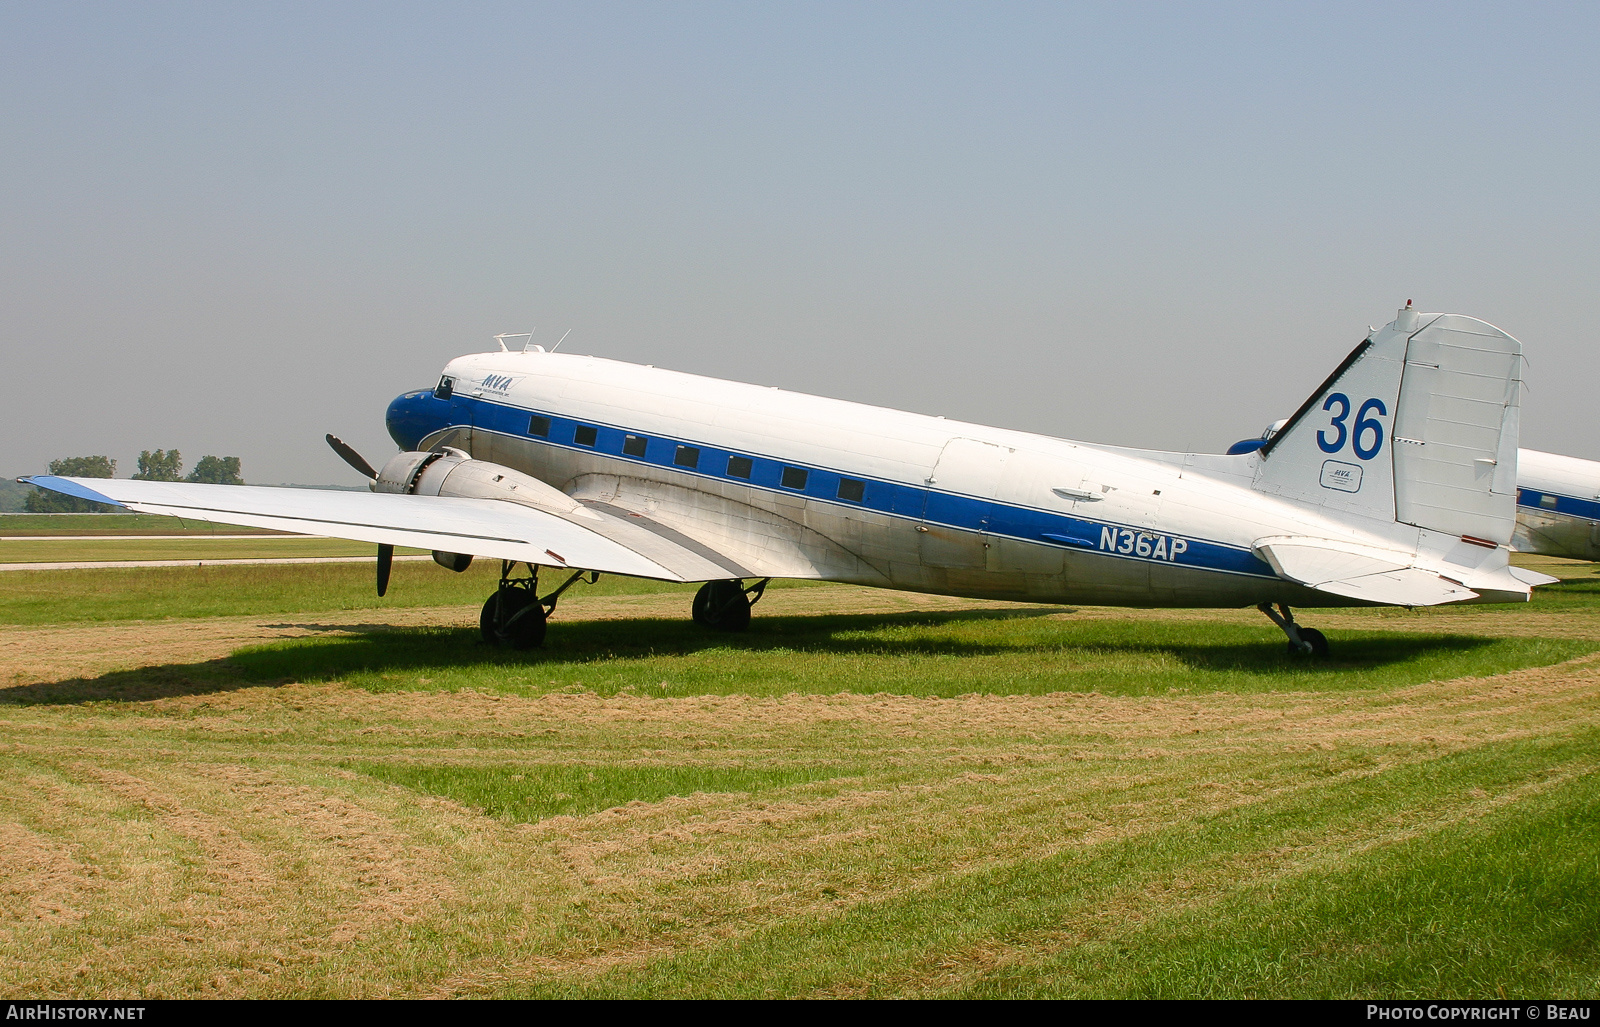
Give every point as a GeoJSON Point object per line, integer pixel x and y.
{"type": "Point", "coordinates": [97, 564]}
{"type": "Point", "coordinates": [145, 538]}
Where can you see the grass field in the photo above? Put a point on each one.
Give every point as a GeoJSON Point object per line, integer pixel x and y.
{"type": "Point", "coordinates": [244, 781]}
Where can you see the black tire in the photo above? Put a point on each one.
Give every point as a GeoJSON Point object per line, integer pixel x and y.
{"type": "Point", "coordinates": [700, 609]}
{"type": "Point", "coordinates": [486, 620]}
{"type": "Point", "coordinates": [1317, 640]}
{"type": "Point", "coordinates": [521, 625]}
{"type": "Point", "coordinates": [722, 606]}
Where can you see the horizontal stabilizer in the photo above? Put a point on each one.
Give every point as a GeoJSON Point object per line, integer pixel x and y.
{"type": "Point", "coordinates": [1410, 587]}
{"type": "Point", "coordinates": [1359, 572]}
{"type": "Point", "coordinates": [480, 527]}
{"type": "Point", "coordinates": [1528, 577]}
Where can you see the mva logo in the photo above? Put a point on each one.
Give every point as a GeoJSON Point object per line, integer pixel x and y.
{"type": "Point", "coordinates": [1336, 474]}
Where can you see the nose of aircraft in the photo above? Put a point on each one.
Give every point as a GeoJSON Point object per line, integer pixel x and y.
{"type": "Point", "coordinates": [412, 416]}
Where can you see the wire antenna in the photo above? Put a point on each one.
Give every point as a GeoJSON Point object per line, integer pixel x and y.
{"type": "Point", "coordinates": [563, 339]}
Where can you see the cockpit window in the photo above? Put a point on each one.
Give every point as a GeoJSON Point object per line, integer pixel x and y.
{"type": "Point", "coordinates": [446, 386]}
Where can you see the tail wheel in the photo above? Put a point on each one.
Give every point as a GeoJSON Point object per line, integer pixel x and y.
{"type": "Point", "coordinates": [722, 605]}
{"type": "Point", "coordinates": [1316, 639]}
{"type": "Point", "coordinates": [513, 617]}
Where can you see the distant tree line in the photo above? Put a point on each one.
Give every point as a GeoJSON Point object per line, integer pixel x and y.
{"type": "Point", "coordinates": [154, 465]}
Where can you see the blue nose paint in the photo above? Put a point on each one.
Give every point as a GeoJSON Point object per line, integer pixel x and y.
{"type": "Point", "coordinates": [415, 415]}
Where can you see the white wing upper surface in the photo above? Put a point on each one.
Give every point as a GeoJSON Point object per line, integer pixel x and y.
{"type": "Point", "coordinates": [482, 527]}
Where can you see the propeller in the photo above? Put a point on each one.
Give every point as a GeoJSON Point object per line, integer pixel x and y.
{"type": "Point", "coordinates": [385, 564]}
{"type": "Point", "coordinates": [351, 457]}
{"type": "Point", "coordinates": [356, 460]}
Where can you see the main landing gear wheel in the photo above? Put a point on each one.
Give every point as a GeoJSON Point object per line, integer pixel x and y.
{"type": "Point", "coordinates": [513, 617]}
{"type": "Point", "coordinates": [516, 615]}
{"type": "Point", "coordinates": [722, 605]}
{"type": "Point", "coordinates": [1302, 641]}
{"type": "Point", "coordinates": [725, 605]}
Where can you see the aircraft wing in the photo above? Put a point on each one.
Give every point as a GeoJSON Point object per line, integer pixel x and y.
{"type": "Point", "coordinates": [740, 540]}
{"type": "Point", "coordinates": [592, 540]}
{"type": "Point", "coordinates": [1360, 572]}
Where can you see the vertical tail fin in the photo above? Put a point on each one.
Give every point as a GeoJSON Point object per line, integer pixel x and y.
{"type": "Point", "coordinates": [1417, 425]}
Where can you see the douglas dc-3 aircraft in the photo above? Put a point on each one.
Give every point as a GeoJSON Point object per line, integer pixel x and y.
{"type": "Point", "coordinates": [1393, 484]}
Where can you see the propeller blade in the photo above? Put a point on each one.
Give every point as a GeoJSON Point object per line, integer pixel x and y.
{"type": "Point", "coordinates": [385, 565]}
{"type": "Point", "coordinates": [351, 457]}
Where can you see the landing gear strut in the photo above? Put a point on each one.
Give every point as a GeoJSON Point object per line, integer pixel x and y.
{"type": "Point", "coordinates": [725, 605]}
{"type": "Point", "coordinates": [516, 615]}
{"type": "Point", "coordinates": [1302, 641]}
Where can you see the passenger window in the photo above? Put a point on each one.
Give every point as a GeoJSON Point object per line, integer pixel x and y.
{"type": "Point", "coordinates": [794, 478]}
{"type": "Point", "coordinates": [584, 434]}
{"type": "Point", "coordinates": [539, 426]}
{"type": "Point", "coordinates": [1547, 501]}
{"type": "Point", "coordinates": [738, 467]}
{"type": "Point", "coordinates": [634, 445]}
{"type": "Point", "coordinates": [852, 490]}
{"type": "Point", "coordinates": [446, 386]}
{"type": "Point", "coordinates": [687, 456]}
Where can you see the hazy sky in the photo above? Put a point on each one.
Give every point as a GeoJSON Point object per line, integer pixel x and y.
{"type": "Point", "coordinates": [229, 228]}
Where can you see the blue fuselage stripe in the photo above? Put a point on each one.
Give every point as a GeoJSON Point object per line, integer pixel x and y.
{"type": "Point", "coordinates": [1572, 506]}
{"type": "Point", "coordinates": [414, 416]}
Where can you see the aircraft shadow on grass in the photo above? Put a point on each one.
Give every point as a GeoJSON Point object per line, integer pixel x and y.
{"type": "Point", "coordinates": [378, 648]}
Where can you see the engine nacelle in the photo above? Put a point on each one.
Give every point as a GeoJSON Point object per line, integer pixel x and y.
{"type": "Point", "coordinates": [451, 472]}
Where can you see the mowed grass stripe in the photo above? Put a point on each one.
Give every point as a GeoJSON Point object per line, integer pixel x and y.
{"type": "Point", "coordinates": [1412, 881]}
{"type": "Point", "coordinates": [1005, 652]}
{"type": "Point", "coordinates": [529, 792]}
{"type": "Point", "coordinates": [1501, 903]}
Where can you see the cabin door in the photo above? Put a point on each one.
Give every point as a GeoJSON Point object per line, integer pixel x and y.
{"type": "Point", "coordinates": [960, 497]}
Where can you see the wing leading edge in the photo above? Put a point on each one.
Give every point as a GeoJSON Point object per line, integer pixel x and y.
{"type": "Point", "coordinates": [481, 527]}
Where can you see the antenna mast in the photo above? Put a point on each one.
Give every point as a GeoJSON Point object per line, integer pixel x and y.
{"type": "Point", "coordinates": [501, 339]}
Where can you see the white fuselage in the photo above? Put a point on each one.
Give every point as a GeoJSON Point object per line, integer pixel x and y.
{"type": "Point", "coordinates": [823, 488]}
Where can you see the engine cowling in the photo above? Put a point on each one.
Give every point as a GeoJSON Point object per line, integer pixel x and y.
{"type": "Point", "coordinates": [450, 472]}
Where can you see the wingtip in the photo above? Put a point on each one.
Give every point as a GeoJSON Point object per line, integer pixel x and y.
{"type": "Point", "coordinates": [68, 487]}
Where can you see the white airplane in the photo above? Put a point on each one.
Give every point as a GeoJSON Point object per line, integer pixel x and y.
{"type": "Point", "coordinates": [1558, 505]}
{"type": "Point", "coordinates": [1558, 501]}
{"type": "Point", "coordinates": [1394, 484]}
